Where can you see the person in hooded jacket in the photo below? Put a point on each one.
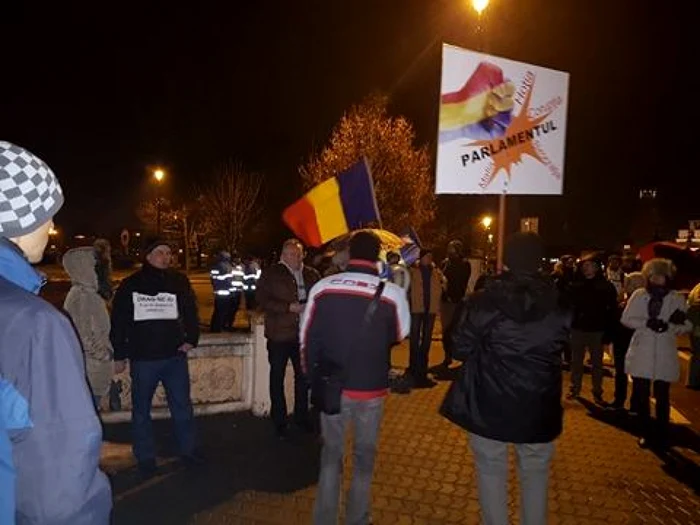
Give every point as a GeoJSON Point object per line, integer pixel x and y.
{"type": "Point", "coordinates": [88, 311]}
{"type": "Point", "coordinates": [657, 314]}
{"type": "Point", "coordinates": [457, 271]}
{"type": "Point", "coordinates": [510, 336]}
{"type": "Point", "coordinates": [50, 436]}
{"type": "Point", "coordinates": [154, 326]}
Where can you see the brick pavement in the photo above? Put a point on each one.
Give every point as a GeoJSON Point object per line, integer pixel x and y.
{"type": "Point", "coordinates": [424, 475]}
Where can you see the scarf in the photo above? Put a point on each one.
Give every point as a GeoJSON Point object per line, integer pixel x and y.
{"type": "Point", "coordinates": [656, 301]}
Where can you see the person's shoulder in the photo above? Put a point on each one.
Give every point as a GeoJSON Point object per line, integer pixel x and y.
{"type": "Point", "coordinates": [312, 272]}
{"type": "Point", "coordinates": [17, 302]}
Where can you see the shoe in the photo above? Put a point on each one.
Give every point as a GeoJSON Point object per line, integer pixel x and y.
{"type": "Point", "coordinates": [447, 363]}
{"type": "Point", "coordinates": [193, 460]}
{"type": "Point", "coordinates": [600, 402]}
{"type": "Point", "coordinates": [148, 469]}
{"type": "Point", "coordinates": [572, 396]}
{"type": "Point", "coordinates": [617, 406]}
{"type": "Point", "coordinates": [424, 383]}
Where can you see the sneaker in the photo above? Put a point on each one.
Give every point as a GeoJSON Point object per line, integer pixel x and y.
{"type": "Point", "coordinates": [617, 406]}
{"type": "Point", "coordinates": [148, 469]}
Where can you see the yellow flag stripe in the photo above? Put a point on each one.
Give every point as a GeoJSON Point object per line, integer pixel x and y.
{"type": "Point", "coordinates": [325, 199]}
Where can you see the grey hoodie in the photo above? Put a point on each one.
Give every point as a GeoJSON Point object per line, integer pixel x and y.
{"type": "Point", "coordinates": [88, 312]}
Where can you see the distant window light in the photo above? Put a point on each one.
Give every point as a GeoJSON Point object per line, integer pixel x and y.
{"type": "Point", "coordinates": [80, 237]}
{"type": "Point", "coordinates": [647, 194]}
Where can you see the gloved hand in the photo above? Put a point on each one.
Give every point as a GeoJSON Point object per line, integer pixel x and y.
{"type": "Point", "coordinates": [678, 317]}
{"type": "Point", "coordinates": [657, 325]}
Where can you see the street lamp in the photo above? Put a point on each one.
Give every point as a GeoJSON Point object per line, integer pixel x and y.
{"type": "Point", "coordinates": [486, 222]}
{"type": "Point", "coordinates": [480, 5]}
{"type": "Point", "coordinates": [158, 175]}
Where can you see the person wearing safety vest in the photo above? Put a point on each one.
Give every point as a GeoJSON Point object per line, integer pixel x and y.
{"type": "Point", "coordinates": [252, 271]}
{"type": "Point", "coordinates": [221, 276]}
{"type": "Point", "coordinates": [237, 286]}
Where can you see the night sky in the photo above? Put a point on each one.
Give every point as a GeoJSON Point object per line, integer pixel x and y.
{"type": "Point", "coordinates": [102, 94]}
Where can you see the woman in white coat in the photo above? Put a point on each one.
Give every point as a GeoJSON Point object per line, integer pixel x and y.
{"type": "Point", "coordinates": [657, 315]}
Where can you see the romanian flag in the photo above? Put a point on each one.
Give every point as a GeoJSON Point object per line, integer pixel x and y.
{"type": "Point", "coordinates": [335, 207]}
{"type": "Point", "coordinates": [481, 109]}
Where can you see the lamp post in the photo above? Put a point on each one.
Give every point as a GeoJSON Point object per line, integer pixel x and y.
{"type": "Point", "coordinates": [158, 175]}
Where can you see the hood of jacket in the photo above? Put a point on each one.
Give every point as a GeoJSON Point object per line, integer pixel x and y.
{"type": "Point", "coordinates": [80, 264]}
{"type": "Point", "coordinates": [522, 298]}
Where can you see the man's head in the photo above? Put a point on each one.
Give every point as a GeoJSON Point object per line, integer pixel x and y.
{"type": "Point", "coordinates": [30, 196]}
{"type": "Point", "coordinates": [393, 258]}
{"type": "Point", "coordinates": [455, 249]}
{"type": "Point", "coordinates": [366, 246]}
{"type": "Point", "coordinates": [426, 257]}
{"type": "Point", "coordinates": [590, 267]}
{"type": "Point", "coordinates": [523, 253]}
{"type": "Point", "coordinates": [293, 254]}
{"type": "Point", "coordinates": [614, 262]}
{"type": "Point", "coordinates": [568, 261]}
{"type": "Point", "coordinates": [158, 253]}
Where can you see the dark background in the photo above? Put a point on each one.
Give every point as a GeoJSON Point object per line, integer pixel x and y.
{"type": "Point", "coordinates": [103, 93]}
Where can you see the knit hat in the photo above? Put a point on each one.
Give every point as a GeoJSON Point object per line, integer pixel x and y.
{"type": "Point", "coordinates": [523, 253]}
{"type": "Point", "coordinates": [152, 242]}
{"type": "Point", "coordinates": [29, 191]}
{"type": "Point", "coordinates": [365, 245]}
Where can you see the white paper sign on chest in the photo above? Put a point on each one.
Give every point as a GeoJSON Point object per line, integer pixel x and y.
{"type": "Point", "coordinates": [160, 307]}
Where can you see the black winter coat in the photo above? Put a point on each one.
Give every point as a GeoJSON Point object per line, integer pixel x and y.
{"type": "Point", "coordinates": [154, 313]}
{"type": "Point", "coordinates": [510, 336]}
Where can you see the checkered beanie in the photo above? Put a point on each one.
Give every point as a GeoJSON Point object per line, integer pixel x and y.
{"type": "Point", "coordinates": [29, 191]}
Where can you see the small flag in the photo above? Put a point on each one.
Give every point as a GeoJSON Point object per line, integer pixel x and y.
{"type": "Point", "coordinates": [335, 207]}
{"type": "Point", "coordinates": [410, 251]}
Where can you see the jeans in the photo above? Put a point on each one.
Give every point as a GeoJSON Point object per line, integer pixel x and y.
{"type": "Point", "coordinates": [533, 462]}
{"type": "Point", "coordinates": [175, 376]}
{"type": "Point", "coordinates": [366, 416]}
{"type": "Point", "coordinates": [579, 342]}
{"type": "Point", "coordinates": [278, 354]}
{"type": "Point", "coordinates": [421, 337]}
{"type": "Point", "coordinates": [620, 346]}
{"type": "Point", "coordinates": [447, 313]}
{"type": "Point", "coordinates": [641, 394]}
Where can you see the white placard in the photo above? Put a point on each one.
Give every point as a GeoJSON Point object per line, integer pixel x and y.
{"type": "Point", "coordinates": [502, 126]}
{"type": "Point", "coordinates": [161, 307]}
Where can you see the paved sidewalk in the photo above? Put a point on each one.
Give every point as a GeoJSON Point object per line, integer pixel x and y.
{"type": "Point", "coordinates": [424, 474]}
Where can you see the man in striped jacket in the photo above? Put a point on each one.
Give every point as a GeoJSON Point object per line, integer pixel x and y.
{"type": "Point", "coordinates": [335, 335]}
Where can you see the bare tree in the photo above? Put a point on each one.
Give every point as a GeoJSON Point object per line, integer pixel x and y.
{"type": "Point", "coordinates": [231, 204]}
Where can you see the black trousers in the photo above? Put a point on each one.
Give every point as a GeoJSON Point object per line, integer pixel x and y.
{"type": "Point", "coordinates": [421, 337]}
{"type": "Point", "coordinates": [221, 318]}
{"type": "Point", "coordinates": [279, 354]}
{"type": "Point", "coordinates": [641, 394]}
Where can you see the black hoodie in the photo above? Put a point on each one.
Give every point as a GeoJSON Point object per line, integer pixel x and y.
{"type": "Point", "coordinates": [510, 336]}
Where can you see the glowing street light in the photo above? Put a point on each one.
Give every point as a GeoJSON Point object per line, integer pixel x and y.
{"type": "Point", "coordinates": [486, 222]}
{"type": "Point", "coordinates": [53, 231]}
{"type": "Point", "coordinates": [480, 5]}
{"type": "Point", "coordinates": [159, 175]}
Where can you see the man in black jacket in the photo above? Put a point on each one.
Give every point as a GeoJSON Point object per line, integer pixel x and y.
{"type": "Point", "coordinates": [510, 336]}
{"type": "Point", "coordinates": [594, 303]}
{"type": "Point", "coordinates": [154, 325]}
{"type": "Point", "coordinates": [457, 271]}
{"type": "Point", "coordinates": [336, 336]}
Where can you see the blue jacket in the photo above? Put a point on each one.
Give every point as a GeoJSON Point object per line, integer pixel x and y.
{"type": "Point", "coordinates": [54, 433]}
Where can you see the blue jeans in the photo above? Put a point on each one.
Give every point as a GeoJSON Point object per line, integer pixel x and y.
{"type": "Point", "coordinates": [533, 461]}
{"type": "Point", "coordinates": [366, 417]}
{"type": "Point", "coordinates": [175, 376]}
{"type": "Point", "coordinates": [421, 337]}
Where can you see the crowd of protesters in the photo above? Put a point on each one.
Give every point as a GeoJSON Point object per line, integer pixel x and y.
{"type": "Point", "coordinates": [514, 333]}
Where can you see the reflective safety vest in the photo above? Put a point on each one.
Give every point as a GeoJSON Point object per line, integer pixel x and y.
{"type": "Point", "coordinates": [237, 275]}
{"type": "Point", "coordinates": [221, 276]}
{"type": "Point", "coordinates": [250, 279]}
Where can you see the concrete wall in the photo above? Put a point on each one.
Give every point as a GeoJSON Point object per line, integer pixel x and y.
{"type": "Point", "coordinates": [228, 372]}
